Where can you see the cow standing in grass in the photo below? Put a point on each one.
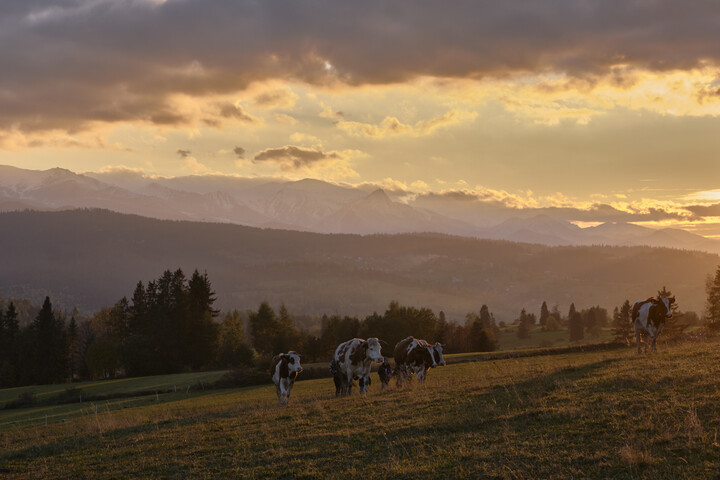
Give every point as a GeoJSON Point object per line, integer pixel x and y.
{"type": "Point", "coordinates": [353, 359]}
{"type": "Point", "coordinates": [437, 351]}
{"type": "Point", "coordinates": [413, 356]}
{"type": "Point", "coordinates": [284, 369]}
{"type": "Point", "coordinates": [384, 372]}
{"type": "Point", "coordinates": [649, 316]}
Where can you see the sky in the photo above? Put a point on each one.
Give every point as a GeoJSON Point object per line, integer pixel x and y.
{"type": "Point", "coordinates": [591, 106]}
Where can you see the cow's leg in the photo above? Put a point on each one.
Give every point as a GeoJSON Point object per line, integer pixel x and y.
{"type": "Point", "coordinates": [654, 347]}
{"type": "Point", "coordinates": [279, 394]}
{"type": "Point", "coordinates": [637, 338]}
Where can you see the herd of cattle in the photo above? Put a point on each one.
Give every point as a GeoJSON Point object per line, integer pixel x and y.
{"type": "Point", "coordinates": [353, 359]}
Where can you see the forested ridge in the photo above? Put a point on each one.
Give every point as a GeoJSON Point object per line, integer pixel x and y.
{"type": "Point", "coordinates": [88, 258]}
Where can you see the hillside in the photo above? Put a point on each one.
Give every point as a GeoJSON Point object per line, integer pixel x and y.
{"type": "Point", "coordinates": [609, 414]}
{"type": "Point", "coordinates": [91, 258]}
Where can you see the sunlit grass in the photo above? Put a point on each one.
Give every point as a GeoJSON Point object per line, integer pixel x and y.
{"type": "Point", "coordinates": [610, 414]}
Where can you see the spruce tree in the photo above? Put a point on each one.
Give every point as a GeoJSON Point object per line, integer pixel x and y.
{"type": "Point", "coordinates": [264, 329]}
{"type": "Point", "coordinates": [712, 303]}
{"type": "Point", "coordinates": [544, 314]}
{"type": "Point", "coordinates": [622, 323]}
{"type": "Point", "coordinates": [575, 324]}
{"type": "Point", "coordinates": [50, 353]}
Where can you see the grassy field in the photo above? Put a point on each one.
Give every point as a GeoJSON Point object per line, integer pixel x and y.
{"type": "Point", "coordinates": [610, 414]}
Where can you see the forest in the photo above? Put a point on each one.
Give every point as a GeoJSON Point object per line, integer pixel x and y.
{"type": "Point", "coordinates": [170, 325]}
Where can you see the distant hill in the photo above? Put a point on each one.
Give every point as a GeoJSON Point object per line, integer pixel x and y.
{"type": "Point", "coordinates": [92, 258]}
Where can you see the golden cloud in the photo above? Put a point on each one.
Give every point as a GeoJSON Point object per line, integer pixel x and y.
{"type": "Point", "coordinates": [392, 127]}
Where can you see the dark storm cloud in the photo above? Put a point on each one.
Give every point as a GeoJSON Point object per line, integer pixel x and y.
{"type": "Point", "coordinates": [292, 158]}
{"type": "Point", "coordinates": [68, 63]}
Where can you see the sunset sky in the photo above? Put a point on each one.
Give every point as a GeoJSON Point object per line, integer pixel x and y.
{"type": "Point", "coordinates": [587, 105]}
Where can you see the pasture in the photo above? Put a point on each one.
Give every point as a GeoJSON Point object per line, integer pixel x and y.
{"type": "Point", "coordinates": [604, 414]}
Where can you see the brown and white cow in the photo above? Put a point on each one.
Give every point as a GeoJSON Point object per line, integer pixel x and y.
{"type": "Point", "coordinates": [437, 350]}
{"type": "Point", "coordinates": [413, 356]}
{"type": "Point", "coordinates": [284, 369]}
{"type": "Point", "coordinates": [353, 359]}
{"type": "Point", "coordinates": [649, 316]}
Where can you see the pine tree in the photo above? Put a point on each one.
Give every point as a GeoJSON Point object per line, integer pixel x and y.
{"type": "Point", "coordinates": [575, 324]}
{"type": "Point", "coordinates": [233, 349]}
{"type": "Point", "coordinates": [50, 346]}
{"type": "Point", "coordinates": [622, 323]}
{"type": "Point", "coordinates": [712, 303]}
{"type": "Point", "coordinates": [288, 336]}
{"type": "Point", "coordinates": [201, 341]}
{"type": "Point", "coordinates": [544, 314]}
{"type": "Point", "coordinates": [72, 349]}
{"type": "Point", "coordinates": [264, 329]}
{"type": "Point", "coordinates": [526, 321]}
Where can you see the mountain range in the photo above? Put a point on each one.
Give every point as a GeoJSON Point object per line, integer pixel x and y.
{"type": "Point", "coordinates": [312, 206]}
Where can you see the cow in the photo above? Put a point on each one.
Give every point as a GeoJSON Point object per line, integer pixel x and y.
{"type": "Point", "coordinates": [437, 351]}
{"type": "Point", "coordinates": [649, 316]}
{"type": "Point", "coordinates": [353, 359]}
{"type": "Point", "coordinates": [337, 377]}
{"type": "Point", "coordinates": [384, 372]}
{"type": "Point", "coordinates": [413, 356]}
{"type": "Point", "coordinates": [284, 369]}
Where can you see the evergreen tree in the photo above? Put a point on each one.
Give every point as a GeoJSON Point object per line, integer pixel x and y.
{"type": "Point", "coordinates": [712, 303]}
{"type": "Point", "coordinates": [264, 329]}
{"type": "Point", "coordinates": [50, 346]}
{"type": "Point", "coordinates": [233, 349]}
{"type": "Point", "coordinates": [622, 329]}
{"type": "Point", "coordinates": [441, 329]}
{"type": "Point", "coordinates": [201, 341]}
{"type": "Point", "coordinates": [544, 314]}
{"type": "Point", "coordinates": [288, 336]}
{"type": "Point", "coordinates": [72, 349]}
{"type": "Point", "coordinates": [575, 324]}
{"type": "Point", "coordinates": [525, 323]}
{"type": "Point", "coordinates": [137, 324]}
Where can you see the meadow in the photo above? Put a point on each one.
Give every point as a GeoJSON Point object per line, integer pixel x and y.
{"type": "Point", "coordinates": [604, 414]}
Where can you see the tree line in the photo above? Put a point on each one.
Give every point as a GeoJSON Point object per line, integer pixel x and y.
{"type": "Point", "coordinates": [170, 325]}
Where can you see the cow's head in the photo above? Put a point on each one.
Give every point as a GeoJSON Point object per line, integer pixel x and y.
{"type": "Point", "coordinates": [373, 350]}
{"type": "Point", "coordinates": [429, 358]}
{"type": "Point", "coordinates": [293, 362]}
{"type": "Point", "coordinates": [437, 354]}
{"type": "Point", "coordinates": [667, 303]}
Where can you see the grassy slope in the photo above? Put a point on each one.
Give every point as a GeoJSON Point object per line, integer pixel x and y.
{"type": "Point", "coordinates": [585, 415]}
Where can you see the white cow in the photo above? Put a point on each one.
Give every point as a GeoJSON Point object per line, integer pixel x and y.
{"type": "Point", "coordinates": [353, 359]}
{"type": "Point", "coordinates": [649, 317]}
{"type": "Point", "coordinates": [284, 369]}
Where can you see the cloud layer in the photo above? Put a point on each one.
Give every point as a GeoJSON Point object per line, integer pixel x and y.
{"type": "Point", "coordinates": [69, 64]}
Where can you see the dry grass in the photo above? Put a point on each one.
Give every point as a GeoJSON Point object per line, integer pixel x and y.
{"type": "Point", "coordinates": [582, 415]}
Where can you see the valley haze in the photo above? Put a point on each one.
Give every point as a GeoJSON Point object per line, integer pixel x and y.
{"type": "Point", "coordinates": [90, 258]}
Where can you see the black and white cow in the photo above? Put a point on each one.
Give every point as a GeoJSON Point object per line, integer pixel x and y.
{"type": "Point", "coordinates": [413, 356]}
{"type": "Point", "coordinates": [284, 368]}
{"type": "Point", "coordinates": [353, 359]}
{"type": "Point", "coordinates": [649, 316]}
{"type": "Point", "coordinates": [384, 372]}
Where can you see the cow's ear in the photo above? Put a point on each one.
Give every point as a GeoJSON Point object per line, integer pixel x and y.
{"type": "Point", "coordinates": [672, 299]}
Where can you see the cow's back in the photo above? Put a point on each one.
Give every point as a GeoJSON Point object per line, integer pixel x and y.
{"type": "Point", "coordinates": [401, 350]}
